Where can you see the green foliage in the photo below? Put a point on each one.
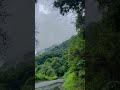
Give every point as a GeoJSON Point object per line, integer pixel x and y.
{"type": "Point", "coordinates": [77, 65]}
{"type": "Point", "coordinates": [70, 82]}
{"type": "Point", "coordinates": [45, 70]}
{"type": "Point", "coordinates": [54, 62]}
{"type": "Point", "coordinates": [42, 77]}
{"type": "Point", "coordinates": [67, 5]}
{"type": "Point", "coordinates": [71, 65]}
{"type": "Point", "coordinates": [74, 82]}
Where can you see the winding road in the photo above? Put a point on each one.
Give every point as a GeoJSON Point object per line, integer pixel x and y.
{"type": "Point", "coordinates": [50, 85]}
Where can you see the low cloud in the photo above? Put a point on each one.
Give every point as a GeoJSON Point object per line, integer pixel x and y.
{"type": "Point", "coordinates": [53, 28]}
{"type": "Point", "coordinates": [43, 9]}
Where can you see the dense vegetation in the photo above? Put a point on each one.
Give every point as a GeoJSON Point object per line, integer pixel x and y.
{"type": "Point", "coordinates": [102, 44]}
{"type": "Point", "coordinates": [59, 62]}
{"type": "Point", "coordinates": [102, 48]}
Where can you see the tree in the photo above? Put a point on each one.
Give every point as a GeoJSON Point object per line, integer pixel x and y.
{"type": "Point", "coordinates": [67, 5]}
{"type": "Point", "coordinates": [75, 5]}
{"type": "Point", "coordinates": [76, 51]}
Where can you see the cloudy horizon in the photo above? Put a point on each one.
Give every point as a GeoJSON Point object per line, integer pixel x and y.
{"type": "Point", "coordinates": [53, 28]}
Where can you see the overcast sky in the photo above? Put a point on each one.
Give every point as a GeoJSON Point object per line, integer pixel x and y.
{"type": "Point", "coordinates": [53, 28]}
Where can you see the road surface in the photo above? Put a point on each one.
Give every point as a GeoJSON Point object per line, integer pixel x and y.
{"type": "Point", "coordinates": [50, 85]}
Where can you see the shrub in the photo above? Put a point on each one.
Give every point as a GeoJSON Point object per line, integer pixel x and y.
{"type": "Point", "coordinates": [70, 82]}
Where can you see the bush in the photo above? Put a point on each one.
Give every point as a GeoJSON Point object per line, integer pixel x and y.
{"type": "Point", "coordinates": [70, 82]}
{"type": "Point", "coordinates": [40, 77]}
{"type": "Point", "coordinates": [43, 77]}
{"type": "Point", "coordinates": [74, 82]}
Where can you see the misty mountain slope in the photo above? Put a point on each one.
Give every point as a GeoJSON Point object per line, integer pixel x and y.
{"type": "Point", "coordinates": [55, 51]}
{"type": "Point", "coordinates": [53, 63]}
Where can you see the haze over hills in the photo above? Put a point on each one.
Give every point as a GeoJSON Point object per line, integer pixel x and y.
{"type": "Point", "coordinates": [53, 47]}
{"type": "Point", "coordinates": [45, 50]}
{"type": "Point", "coordinates": [57, 50]}
{"type": "Point", "coordinates": [51, 26]}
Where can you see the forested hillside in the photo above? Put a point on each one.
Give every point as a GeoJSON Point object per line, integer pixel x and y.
{"type": "Point", "coordinates": [56, 57]}
{"type": "Point", "coordinates": [52, 63]}
{"type": "Point", "coordinates": [59, 62]}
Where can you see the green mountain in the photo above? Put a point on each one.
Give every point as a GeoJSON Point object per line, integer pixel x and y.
{"type": "Point", "coordinates": [63, 61]}
{"type": "Point", "coordinates": [56, 51]}
{"type": "Point", "coordinates": [55, 58]}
